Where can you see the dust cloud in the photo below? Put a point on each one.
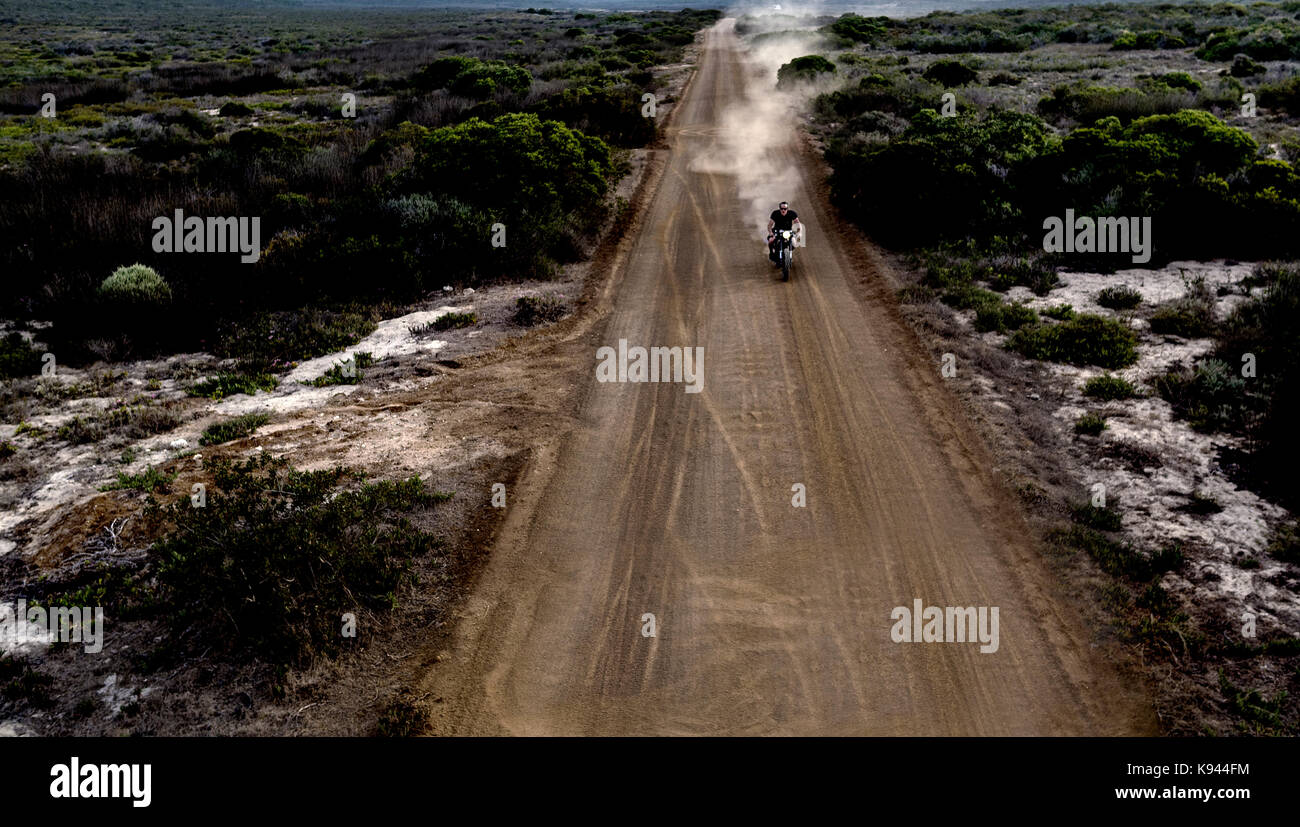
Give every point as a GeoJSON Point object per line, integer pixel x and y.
{"type": "Point", "coordinates": [756, 128]}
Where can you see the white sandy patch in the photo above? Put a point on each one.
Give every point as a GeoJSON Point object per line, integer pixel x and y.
{"type": "Point", "coordinates": [391, 337]}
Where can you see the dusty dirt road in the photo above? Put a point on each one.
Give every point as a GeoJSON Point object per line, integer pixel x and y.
{"type": "Point", "coordinates": [770, 618]}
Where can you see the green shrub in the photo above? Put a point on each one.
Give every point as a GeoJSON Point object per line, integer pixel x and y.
{"type": "Point", "coordinates": [1284, 544]}
{"type": "Point", "coordinates": [966, 296]}
{"type": "Point", "coordinates": [347, 373]}
{"type": "Point", "coordinates": [229, 384]}
{"type": "Point", "coordinates": [1244, 67]}
{"type": "Point", "coordinates": [277, 555]}
{"type": "Point", "coordinates": [860, 29]}
{"type": "Point", "coordinates": [454, 321]}
{"type": "Point", "coordinates": [135, 284]}
{"type": "Point", "coordinates": [1109, 387]}
{"type": "Point", "coordinates": [19, 682]}
{"type": "Point", "coordinates": [1120, 559]}
{"type": "Point", "coordinates": [276, 338]}
{"type": "Point", "coordinates": [1086, 339]}
{"type": "Point", "coordinates": [1060, 312]}
{"type": "Point", "coordinates": [532, 310]}
{"type": "Point", "coordinates": [18, 357]}
{"type": "Point", "coordinates": [1211, 397]}
{"type": "Point", "coordinates": [1003, 317]}
{"type": "Point", "coordinates": [1178, 80]}
{"type": "Point", "coordinates": [232, 429]}
{"type": "Point", "coordinates": [1101, 519]}
{"type": "Point", "coordinates": [235, 109]}
{"type": "Point", "coordinates": [1119, 297]}
{"type": "Point", "coordinates": [148, 481]}
{"type": "Point", "coordinates": [79, 431]}
{"type": "Point", "coordinates": [128, 421]}
{"type": "Point", "coordinates": [805, 68]}
{"type": "Point", "coordinates": [950, 73]}
{"type": "Point", "coordinates": [1189, 318]}
{"type": "Point", "coordinates": [1090, 424]}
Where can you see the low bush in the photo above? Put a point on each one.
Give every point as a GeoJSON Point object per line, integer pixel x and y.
{"type": "Point", "coordinates": [1108, 387]}
{"type": "Point", "coordinates": [18, 357]}
{"type": "Point", "coordinates": [135, 284]}
{"type": "Point", "coordinates": [345, 373]}
{"type": "Point", "coordinates": [950, 73]}
{"type": "Point", "coordinates": [148, 481]}
{"type": "Point", "coordinates": [229, 384]}
{"type": "Point", "coordinates": [803, 69]}
{"type": "Point", "coordinates": [533, 310]}
{"type": "Point", "coordinates": [1119, 297]}
{"type": "Point", "coordinates": [455, 321]}
{"type": "Point", "coordinates": [1086, 339]}
{"type": "Point", "coordinates": [232, 429]}
{"type": "Point", "coordinates": [1101, 519]}
{"type": "Point", "coordinates": [1189, 318]}
{"type": "Point", "coordinates": [1002, 317]}
{"type": "Point", "coordinates": [1210, 397]}
{"type": "Point", "coordinates": [1090, 424]}
{"type": "Point", "coordinates": [277, 555]}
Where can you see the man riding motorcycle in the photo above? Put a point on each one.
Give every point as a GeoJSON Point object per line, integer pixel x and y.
{"type": "Point", "coordinates": [782, 218]}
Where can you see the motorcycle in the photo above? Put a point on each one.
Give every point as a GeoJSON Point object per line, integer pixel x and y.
{"type": "Point", "coordinates": [784, 249]}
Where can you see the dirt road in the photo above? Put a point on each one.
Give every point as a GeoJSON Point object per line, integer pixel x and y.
{"type": "Point", "coordinates": [770, 618]}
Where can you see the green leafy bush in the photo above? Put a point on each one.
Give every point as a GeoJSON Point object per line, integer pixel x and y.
{"type": "Point", "coordinates": [275, 338]}
{"type": "Point", "coordinates": [1108, 387]}
{"type": "Point", "coordinates": [235, 109]}
{"type": "Point", "coordinates": [803, 69]}
{"type": "Point", "coordinates": [1210, 397]}
{"type": "Point", "coordinates": [860, 29]}
{"type": "Point", "coordinates": [18, 357]}
{"type": "Point", "coordinates": [1101, 519]}
{"type": "Point", "coordinates": [1190, 317]}
{"type": "Point", "coordinates": [148, 481]}
{"type": "Point", "coordinates": [532, 310]}
{"type": "Point", "coordinates": [229, 384]}
{"type": "Point", "coordinates": [135, 284]}
{"type": "Point", "coordinates": [1002, 317]}
{"type": "Point", "coordinates": [454, 321]}
{"type": "Point", "coordinates": [964, 158]}
{"type": "Point", "coordinates": [232, 429]}
{"type": "Point", "coordinates": [1090, 424]}
{"type": "Point", "coordinates": [277, 555]}
{"type": "Point", "coordinates": [1086, 339]}
{"type": "Point", "coordinates": [949, 73]}
{"type": "Point", "coordinates": [1119, 297]}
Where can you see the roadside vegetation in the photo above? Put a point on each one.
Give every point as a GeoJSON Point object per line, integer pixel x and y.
{"type": "Point", "coordinates": [466, 125]}
{"type": "Point", "coordinates": [981, 126]}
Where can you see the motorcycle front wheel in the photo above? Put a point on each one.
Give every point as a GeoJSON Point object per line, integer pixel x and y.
{"type": "Point", "coordinates": [785, 264]}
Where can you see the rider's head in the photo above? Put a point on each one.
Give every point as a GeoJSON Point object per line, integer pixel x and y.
{"type": "Point", "coordinates": [783, 206]}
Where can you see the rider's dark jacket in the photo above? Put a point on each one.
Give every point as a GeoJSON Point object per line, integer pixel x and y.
{"type": "Point", "coordinates": [783, 222]}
